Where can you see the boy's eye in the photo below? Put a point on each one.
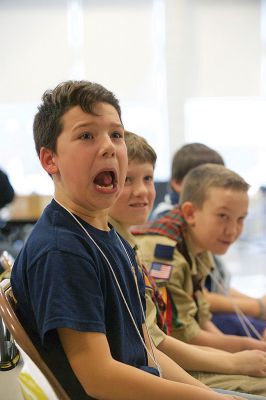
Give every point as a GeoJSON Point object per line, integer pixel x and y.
{"type": "Point", "coordinates": [223, 216]}
{"type": "Point", "coordinates": [117, 135]}
{"type": "Point", "coordinates": [148, 178]}
{"type": "Point", "coordinates": [86, 135]}
{"type": "Point", "coordinates": [128, 179]}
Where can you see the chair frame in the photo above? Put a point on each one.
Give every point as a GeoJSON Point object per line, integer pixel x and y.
{"type": "Point", "coordinates": [8, 314]}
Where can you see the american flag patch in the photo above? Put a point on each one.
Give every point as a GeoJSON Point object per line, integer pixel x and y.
{"type": "Point", "coordinates": [160, 271]}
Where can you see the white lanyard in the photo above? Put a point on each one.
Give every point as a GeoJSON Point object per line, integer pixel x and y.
{"type": "Point", "coordinates": [244, 321]}
{"type": "Point", "coordinates": [152, 356]}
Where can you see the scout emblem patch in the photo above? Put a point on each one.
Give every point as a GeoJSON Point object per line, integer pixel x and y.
{"type": "Point", "coordinates": [160, 271]}
{"type": "Point", "coordinates": [163, 251]}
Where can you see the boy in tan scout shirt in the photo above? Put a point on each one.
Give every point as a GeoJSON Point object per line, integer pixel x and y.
{"type": "Point", "coordinates": [177, 250]}
{"type": "Point", "coordinates": [132, 208]}
{"type": "Point", "coordinates": [223, 299]}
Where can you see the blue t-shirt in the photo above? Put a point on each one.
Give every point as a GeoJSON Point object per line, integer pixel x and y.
{"type": "Point", "coordinates": [60, 279]}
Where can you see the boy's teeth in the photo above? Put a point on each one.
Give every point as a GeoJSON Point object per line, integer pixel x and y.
{"type": "Point", "coordinates": [105, 187]}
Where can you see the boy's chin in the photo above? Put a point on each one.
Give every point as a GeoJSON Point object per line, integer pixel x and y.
{"type": "Point", "coordinates": [220, 252]}
{"type": "Point", "coordinates": [140, 221]}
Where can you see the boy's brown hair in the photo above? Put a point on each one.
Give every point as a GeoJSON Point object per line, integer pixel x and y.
{"type": "Point", "coordinates": [48, 124]}
{"type": "Point", "coordinates": [138, 149]}
{"type": "Point", "coordinates": [190, 156]}
{"type": "Point", "coordinates": [200, 179]}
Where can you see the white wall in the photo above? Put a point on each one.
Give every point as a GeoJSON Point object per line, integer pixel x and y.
{"type": "Point", "coordinates": [108, 42]}
{"type": "Point", "coordinates": [154, 54]}
{"type": "Point", "coordinates": [213, 49]}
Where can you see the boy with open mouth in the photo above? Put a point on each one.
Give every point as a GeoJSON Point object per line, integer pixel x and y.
{"type": "Point", "coordinates": [79, 292]}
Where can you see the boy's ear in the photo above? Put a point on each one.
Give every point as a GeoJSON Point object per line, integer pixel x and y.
{"type": "Point", "coordinates": [48, 160]}
{"type": "Point", "coordinates": [189, 210]}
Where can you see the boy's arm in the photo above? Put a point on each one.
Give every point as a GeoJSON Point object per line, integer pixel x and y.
{"type": "Point", "coordinates": [173, 277]}
{"type": "Point", "coordinates": [235, 293]}
{"type": "Point", "coordinates": [221, 303]}
{"type": "Point", "coordinates": [207, 334]}
{"type": "Point", "coordinates": [170, 369]}
{"type": "Point", "coordinates": [173, 372]}
{"type": "Point", "coordinates": [194, 358]}
{"type": "Point", "coordinates": [229, 343]}
{"type": "Point", "coordinates": [103, 377]}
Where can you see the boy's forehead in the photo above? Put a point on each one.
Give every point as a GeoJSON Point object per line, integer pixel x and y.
{"type": "Point", "coordinates": [76, 114]}
{"type": "Point", "coordinates": [213, 191]}
{"type": "Point", "coordinates": [224, 197]}
{"type": "Point", "coordinates": [140, 167]}
{"type": "Point", "coordinates": [138, 162]}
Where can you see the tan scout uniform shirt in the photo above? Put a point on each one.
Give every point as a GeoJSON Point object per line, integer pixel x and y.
{"type": "Point", "coordinates": [191, 312]}
{"type": "Point", "coordinates": [230, 382]}
{"type": "Point", "coordinates": [156, 333]}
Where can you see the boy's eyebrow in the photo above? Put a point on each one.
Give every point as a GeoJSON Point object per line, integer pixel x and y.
{"type": "Point", "coordinates": [116, 125]}
{"type": "Point", "coordinates": [91, 124]}
{"type": "Point", "coordinates": [225, 208]}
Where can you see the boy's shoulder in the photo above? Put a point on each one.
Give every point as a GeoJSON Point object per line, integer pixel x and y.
{"type": "Point", "coordinates": [171, 225]}
{"type": "Point", "coordinates": [159, 253]}
{"type": "Point", "coordinates": [50, 222]}
{"type": "Point", "coordinates": [54, 231]}
{"type": "Point", "coordinates": [160, 238]}
{"type": "Point", "coordinates": [124, 233]}
{"type": "Point", "coordinates": [158, 245]}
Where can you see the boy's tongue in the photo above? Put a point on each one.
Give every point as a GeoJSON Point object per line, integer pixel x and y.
{"type": "Point", "coordinates": [104, 179]}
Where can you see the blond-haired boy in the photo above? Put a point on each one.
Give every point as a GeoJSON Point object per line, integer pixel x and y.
{"type": "Point", "coordinates": [210, 217]}
{"type": "Point", "coordinates": [223, 299]}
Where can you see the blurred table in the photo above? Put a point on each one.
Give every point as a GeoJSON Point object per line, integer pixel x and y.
{"type": "Point", "coordinates": [25, 209]}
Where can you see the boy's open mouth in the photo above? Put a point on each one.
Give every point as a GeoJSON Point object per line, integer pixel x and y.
{"type": "Point", "coordinates": [106, 180]}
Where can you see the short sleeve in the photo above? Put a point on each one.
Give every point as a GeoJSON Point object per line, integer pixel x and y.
{"type": "Point", "coordinates": [156, 333]}
{"type": "Point", "coordinates": [60, 300]}
{"type": "Point", "coordinates": [181, 289]}
{"type": "Point", "coordinates": [173, 273]}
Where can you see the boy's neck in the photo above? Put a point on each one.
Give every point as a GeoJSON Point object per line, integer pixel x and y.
{"type": "Point", "coordinates": [98, 219]}
{"type": "Point", "coordinates": [192, 242]}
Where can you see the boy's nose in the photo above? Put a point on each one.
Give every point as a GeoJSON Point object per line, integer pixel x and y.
{"type": "Point", "coordinates": [233, 230]}
{"type": "Point", "coordinates": [139, 189]}
{"type": "Point", "coordinates": [108, 148]}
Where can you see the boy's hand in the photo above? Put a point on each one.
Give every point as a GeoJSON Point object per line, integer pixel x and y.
{"type": "Point", "coordinates": [250, 362]}
{"type": "Point", "coordinates": [252, 344]}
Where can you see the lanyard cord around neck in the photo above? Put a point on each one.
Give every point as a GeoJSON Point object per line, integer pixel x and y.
{"type": "Point", "coordinates": [244, 321]}
{"type": "Point", "coordinates": [143, 313]}
{"type": "Point", "coordinates": [152, 356]}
